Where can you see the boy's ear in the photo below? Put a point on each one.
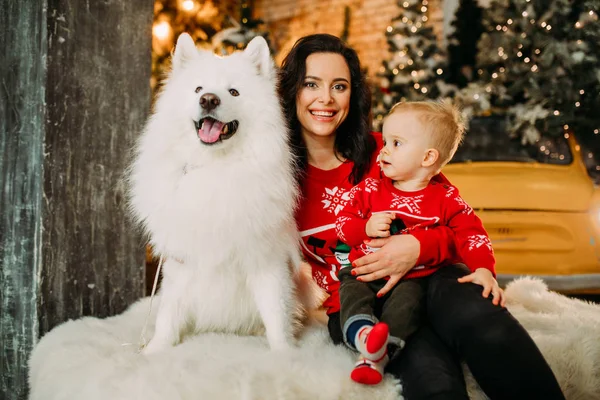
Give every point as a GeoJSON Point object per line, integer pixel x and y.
{"type": "Point", "coordinates": [430, 158]}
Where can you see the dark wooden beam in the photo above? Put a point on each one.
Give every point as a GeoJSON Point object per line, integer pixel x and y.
{"type": "Point", "coordinates": [22, 90]}
{"type": "Point", "coordinates": [74, 94]}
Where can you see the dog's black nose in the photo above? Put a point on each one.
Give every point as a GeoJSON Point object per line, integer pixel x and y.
{"type": "Point", "coordinates": [209, 101]}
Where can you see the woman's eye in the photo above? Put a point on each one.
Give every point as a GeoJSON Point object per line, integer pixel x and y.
{"type": "Point", "coordinates": [198, 89]}
{"type": "Point", "coordinates": [234, 92]}
{"type": "Point", "coordinates": [397, 143]}
{"type": "Point", "coordinates": [339, 87]}
{"type": "Point", "coordinates": [310, 84]}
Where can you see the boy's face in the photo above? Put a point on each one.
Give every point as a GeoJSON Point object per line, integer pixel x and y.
{"type": "Point", "coordinates": [405, 146]}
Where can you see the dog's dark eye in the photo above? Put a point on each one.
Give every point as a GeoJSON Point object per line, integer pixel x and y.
{"type": "Point", "coordinates": [198, 89]}
{"type": "Point", "coordinates": [234, 92]}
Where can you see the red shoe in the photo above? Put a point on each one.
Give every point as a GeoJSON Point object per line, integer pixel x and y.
{"type": "Point", "coordinates": [366, 372]}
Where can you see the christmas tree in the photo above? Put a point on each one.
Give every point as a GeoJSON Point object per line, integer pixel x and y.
{"type": "Point", "coordinates": [416, 68]}
{"type": "Point", "coordinates": [218, 26]}
{"type": "Point", "coordinates": [462, 48]}
{"type": "Point", "coordinates": [539, 60]}
{"type": "Point", "coordinates": [240, 33]}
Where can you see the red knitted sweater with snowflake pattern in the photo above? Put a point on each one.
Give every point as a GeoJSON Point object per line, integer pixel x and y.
{"type": "Point", "coordinates": [324, 195]}
{"type": "Point", "coordinates": [435, 205]}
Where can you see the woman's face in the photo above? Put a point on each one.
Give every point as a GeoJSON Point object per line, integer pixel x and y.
{"type": "Point", "coordinates": [323, 101]}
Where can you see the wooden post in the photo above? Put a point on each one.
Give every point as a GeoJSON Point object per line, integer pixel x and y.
{"type": "Point", "coordinates": [74, 93]}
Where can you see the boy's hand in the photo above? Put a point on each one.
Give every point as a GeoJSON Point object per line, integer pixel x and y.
{"type": "Point", "coordinates": [378, 226]}
{"type": "Point", "coordinates": [484, 277]}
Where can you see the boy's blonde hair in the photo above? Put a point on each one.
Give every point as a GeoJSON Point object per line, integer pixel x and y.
{"type": "Point", "coordinates": [442, 121]}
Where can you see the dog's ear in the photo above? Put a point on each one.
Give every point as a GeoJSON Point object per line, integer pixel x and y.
{"type": "Point", "coordinates": [258, 52]}
{"type": "Point", "coordinates": [185, 50]}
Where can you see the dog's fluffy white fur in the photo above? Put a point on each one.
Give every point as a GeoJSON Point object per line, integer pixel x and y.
{"type": "Point", "coordinates": [220, 214]}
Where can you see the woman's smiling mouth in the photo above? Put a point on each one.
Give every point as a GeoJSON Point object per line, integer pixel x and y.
{"type": "Point", "coordinates": [322, 114]}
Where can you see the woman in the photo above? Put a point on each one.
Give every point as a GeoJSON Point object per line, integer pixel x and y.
{"type": "Point", "coordinates": [327, 105]}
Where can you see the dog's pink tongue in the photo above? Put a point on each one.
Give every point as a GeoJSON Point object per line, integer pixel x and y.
{"type": "Point", "coordinates": [210, 131]}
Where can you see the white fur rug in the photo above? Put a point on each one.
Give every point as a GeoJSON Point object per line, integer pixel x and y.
{"type": "Point", "coordinates": [90, 359]}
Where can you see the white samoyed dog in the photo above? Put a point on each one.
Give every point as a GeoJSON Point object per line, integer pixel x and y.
{"type": "Point", "coordinates": [213, 185]}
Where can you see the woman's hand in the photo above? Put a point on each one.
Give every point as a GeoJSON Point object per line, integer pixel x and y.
{"type": "Point", "coordinates": [396, 256]}
{"type": "Point", "coordinates": [484, 277]}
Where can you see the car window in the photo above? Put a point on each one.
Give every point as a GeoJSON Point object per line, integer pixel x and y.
{"type": "Point", "coordinates": [487, 140]}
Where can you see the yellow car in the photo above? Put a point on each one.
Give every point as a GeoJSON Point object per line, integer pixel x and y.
{"type": "Point", "coordinates": [537, 203]}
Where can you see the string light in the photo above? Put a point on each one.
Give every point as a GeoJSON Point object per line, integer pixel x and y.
{"type": "Point", "coordinates": [423, 90]}
{"type": "Point", "coordinates": [161, 30]}
{"type": "Point", "coordinates": [389, 29]}
{"type": "Point", "coordinates": [581, 91]}
{"type": "Point", "coordinates": [595, 131]}
{"type": "Point", "coordinates": [416, 86]}
{"type": "Point", "coordinates": [556, 112]}
{"type": "Point", "coordinates": [439, 71]}
{"type": "Point", "coordinates": [410, 62]}
{"type": "Point", "coordinates": [395, 71]}
{"type": "Point", "coordinates": [188, 5]}
{"type": "Point", "coordinates": [577, 104]}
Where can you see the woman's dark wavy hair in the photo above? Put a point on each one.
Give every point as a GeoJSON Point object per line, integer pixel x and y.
{"type": "Point", "coordinates": [353, 139]}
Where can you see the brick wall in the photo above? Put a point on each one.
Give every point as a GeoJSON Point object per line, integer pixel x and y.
{"type": "Point", "coordinates": [288, 20]}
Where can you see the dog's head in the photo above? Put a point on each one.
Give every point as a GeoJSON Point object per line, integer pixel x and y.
{"type": "Point", "coordinates": [221, 97]}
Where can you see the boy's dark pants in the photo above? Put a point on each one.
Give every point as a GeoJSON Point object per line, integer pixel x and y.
{"type": "Point", "coordinates": [401, 308]}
